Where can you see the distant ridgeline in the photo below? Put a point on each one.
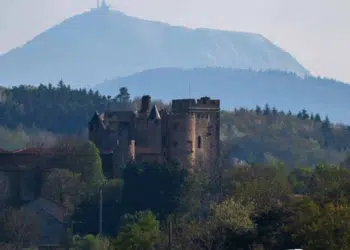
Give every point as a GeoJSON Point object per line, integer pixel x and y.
{"type": "Point", "coordinates": [242, 88]}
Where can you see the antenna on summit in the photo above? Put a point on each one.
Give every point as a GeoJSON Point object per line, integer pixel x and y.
{"type": "Point", "coordinates": [102, 4]}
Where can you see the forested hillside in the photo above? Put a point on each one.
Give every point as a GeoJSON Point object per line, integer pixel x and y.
{"type": "Point", "coordinates": [31, 115]}
{"type": "Point", "coordinates": [256, 206]}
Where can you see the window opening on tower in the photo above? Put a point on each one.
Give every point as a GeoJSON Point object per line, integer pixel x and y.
{"type": "Point", "coordinates": [199, 142]}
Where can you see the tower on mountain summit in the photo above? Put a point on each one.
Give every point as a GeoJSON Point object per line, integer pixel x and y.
{"type": "Point", "coordinates": [101, 4]}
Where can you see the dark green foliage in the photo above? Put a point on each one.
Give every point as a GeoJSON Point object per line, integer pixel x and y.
{"type": "Point", "coordinates": [258, 110]}
{"type": "Point", "coordinates": [274, 111]}
{"type": "Point", "coordinates": [58, 109]}
{"type": "Point", "coordinates": [161, 187]}
{"type": "Point", "coordinates": [267, 110]}
{"type": "Point", "coordinates": [317, 118]}
{"type": "Point", "coordinates": [140, 230]}
{"type": "Point", "coordinates": [145, 187]}
{"type": "Point", "coordinates": [85, 218]}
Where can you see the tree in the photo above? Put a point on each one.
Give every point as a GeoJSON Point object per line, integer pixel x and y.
{"type": "Point", "coordinates": [326, 124]}
{"type": "Point", "coordinates": [162, 187]}
{"type": "Point", "coordinates": [63, 186]}
{"type": "Point", "coordinates": [86, 212]}
{"type": "Point", "coordinates": [141, 231]}
{"type": "Point", "coordinates": [258, 110]}
{"type": "Point", "coordinates": [299, 115]}
{"type": "Point", "coordinates": [270, 228]}
{"type": "Point", "coordinates": [234, 215]}
{"type": "Point", "coordinates": [304, 114]}
{"type": "Point", "coordinates": [300, 178]}
{"type": "Point", "coordinates": [274, 111]}
{"type": "Point", "coordinates": [327, 181]}
{"type": "Point", "coordinates": [226, 227]}
{"type": "Point", "coordinates": [317, 118]}
{"type": "Point", "coordinates": [267, 110]}
{"type": "Point", "coordinates": [325, 226]}
{"type": "Point", "coordinates": [266, 187]}
{"type": "Point", "coordinates": [123, 95]}
{"type": "Point", "coordinates": [123, 99]}
{"type": "Point", "coordinates": [80, 157]}
{"type": "Point", "coordinates": [91, 242]}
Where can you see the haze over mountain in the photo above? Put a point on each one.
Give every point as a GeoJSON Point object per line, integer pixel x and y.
{"type": "Point", "coordinates": [102, 44]}
{"type": "Point", "coordinates": [241, 88]}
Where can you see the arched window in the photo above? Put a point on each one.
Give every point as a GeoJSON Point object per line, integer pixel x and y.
{"type": "Point", "coordinates": [199, 142]}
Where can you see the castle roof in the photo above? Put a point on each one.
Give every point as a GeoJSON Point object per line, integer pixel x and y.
{"type": "Point", "coordinates": [28, 151]}
{"type": "Point", "coordinates": [154, 113]}
{"type": "Point", "coordinates": [96, 119]}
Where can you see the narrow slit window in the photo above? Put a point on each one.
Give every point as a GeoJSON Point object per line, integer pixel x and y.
{"type": "Point", "coordinates": [199, 142]}
{"type": "Point", "coordinates": [163, 141]}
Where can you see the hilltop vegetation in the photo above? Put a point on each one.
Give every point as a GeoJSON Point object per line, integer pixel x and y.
{"type": "Point", "coordinates": [268, 135]}
{"type": "Point", "coordinates": [255, 136]}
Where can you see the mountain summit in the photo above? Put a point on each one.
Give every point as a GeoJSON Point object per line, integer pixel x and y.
{"type": "Point", "coordinates": [102, 44]}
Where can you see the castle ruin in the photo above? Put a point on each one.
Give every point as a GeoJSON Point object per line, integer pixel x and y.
{"type": "Point", "coordinates": [189, 134]}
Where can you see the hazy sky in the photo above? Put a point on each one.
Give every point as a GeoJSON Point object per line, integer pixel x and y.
{"type": "Point", "coordinates": [315, 32]}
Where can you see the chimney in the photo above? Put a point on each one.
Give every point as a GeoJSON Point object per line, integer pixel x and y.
{"type": "Point", "coordinates": [145, 103]}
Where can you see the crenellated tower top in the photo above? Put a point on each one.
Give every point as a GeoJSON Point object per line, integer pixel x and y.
{"type": "Point", "coordinates": [188, 105]}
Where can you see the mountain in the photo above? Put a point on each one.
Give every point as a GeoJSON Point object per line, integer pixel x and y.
{"type": "Point", "coordinates": [241, 88]}
{"type": "Point", "coordinates": [102, 44]}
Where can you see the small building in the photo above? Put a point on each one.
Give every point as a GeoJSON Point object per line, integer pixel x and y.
{"type": "Point", "coordinates": [51, 219]}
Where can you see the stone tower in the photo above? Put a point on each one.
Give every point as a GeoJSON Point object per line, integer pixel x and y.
{"type": "Point", "coordinates": [194, 132]}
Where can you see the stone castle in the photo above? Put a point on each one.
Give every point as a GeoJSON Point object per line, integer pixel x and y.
{"type": "Point", "coordinates": [189, 134]}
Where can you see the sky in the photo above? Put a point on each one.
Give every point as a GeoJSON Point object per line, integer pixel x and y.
{"type": "Point", "coordinates": [315, 32]}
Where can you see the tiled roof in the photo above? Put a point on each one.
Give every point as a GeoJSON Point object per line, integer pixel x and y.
{"type": "Point", "coordinates": [3, 151]}
{"type": "Point", "coordinates": [50, 207]}
{"type": "Point", "coordinates": [26, 151]}
{"type": "Point", "coordinates": [96, 119]}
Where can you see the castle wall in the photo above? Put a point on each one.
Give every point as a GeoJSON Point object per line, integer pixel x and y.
{"type": "Point", "coordinates": [201, 131]}
{"type": "Point", "coordinates": [154, 133]}
{"type": "Point", "coordinates": [182, 132]}
{"type": "Point", "coordinates": [203, 141]}
{"type": "Point", "coordinates": [208, 132]}
{"type": "Point", "coordinates": [165, 137]}
{"type": "Point", "coordinates": [141, 134]}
